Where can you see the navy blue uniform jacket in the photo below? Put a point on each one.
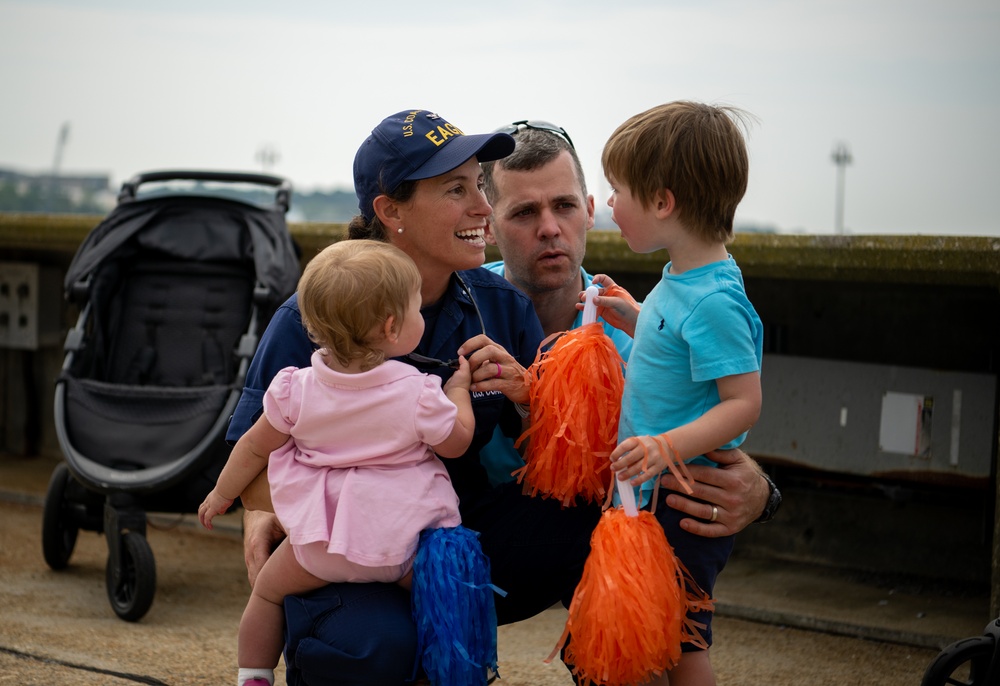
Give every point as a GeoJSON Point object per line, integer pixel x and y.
{"type": "Point", "coordinates": [510, 321]}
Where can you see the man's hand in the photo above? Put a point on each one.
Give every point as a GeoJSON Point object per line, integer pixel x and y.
{"type": "Point", "coordinates": [735, 487]}
{"type": "Point", "coordinates": [261, 533]}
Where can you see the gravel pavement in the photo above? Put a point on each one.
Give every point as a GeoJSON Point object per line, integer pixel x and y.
{"type": "Point", "coordinates": [58, 628]}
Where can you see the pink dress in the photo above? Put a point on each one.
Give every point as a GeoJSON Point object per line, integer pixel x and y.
{"type": "Point", "coordinates": [359, 473]}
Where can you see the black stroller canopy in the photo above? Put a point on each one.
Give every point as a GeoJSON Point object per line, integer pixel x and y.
{"type": "Point", "coordinates": [195, 228]}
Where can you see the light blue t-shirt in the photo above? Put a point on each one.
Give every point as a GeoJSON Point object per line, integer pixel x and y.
{"type": "Point", "coordinates": [693, 329]}
{"type": "Point", "coordinates": [499, 456]}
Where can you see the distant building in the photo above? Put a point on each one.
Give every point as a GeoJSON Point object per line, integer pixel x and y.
{"type": "Point", "coordinates": [90, 191]}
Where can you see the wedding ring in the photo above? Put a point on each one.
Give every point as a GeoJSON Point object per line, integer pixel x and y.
{"type": "Point", "coordinates": [715, 513]}
{"type": "Point", "coordinates": [499, 370]}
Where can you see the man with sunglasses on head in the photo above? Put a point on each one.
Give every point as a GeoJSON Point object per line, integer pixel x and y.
{"type": "Point", "coordinates": [541, 215]}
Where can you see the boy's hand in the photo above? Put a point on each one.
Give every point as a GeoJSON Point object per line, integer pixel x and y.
{"type": "Point", "coordinates": [639, 459]}
{"type": "Point", "coordinates": [214, 505]}
{"type": "Point", "coordinates": [462, 378]}
{"type": "Point", "coordinates": [615, 305]}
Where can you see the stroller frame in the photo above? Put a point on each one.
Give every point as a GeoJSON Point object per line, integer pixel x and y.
{"type": "Point", "coordinates": [109, 488]}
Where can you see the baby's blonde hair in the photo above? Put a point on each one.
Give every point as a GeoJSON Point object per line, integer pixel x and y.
{"type": "Point", "coordinates": [347, 292]}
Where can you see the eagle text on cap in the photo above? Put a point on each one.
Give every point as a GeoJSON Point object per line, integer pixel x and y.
{"type": "Point", "coordinates": [438, 134]}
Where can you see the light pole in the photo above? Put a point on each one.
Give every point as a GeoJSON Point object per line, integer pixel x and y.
{"type": "Point", "coordinates": [841, 157]}
{"type": "Point", "coordinates": [52, 188]}
{"type": "Point", "coordinates": [268, 156]}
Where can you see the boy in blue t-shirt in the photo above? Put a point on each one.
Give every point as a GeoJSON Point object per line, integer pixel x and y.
{"type": "Point", "coordinates": [677, 173]}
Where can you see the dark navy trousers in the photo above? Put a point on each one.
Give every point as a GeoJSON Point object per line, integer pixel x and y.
{"type": "Point", "coordinates": [348, 634]}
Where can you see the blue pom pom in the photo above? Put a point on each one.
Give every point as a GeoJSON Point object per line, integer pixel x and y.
{"type": "Point", "coordinates": [453, 607]}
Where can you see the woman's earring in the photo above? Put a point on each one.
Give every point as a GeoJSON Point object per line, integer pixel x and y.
{"type": "Point", "coordinates": [399, 230]}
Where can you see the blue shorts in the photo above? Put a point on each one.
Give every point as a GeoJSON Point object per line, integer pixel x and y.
{"type": "Point", "coordinates": [703, 557]}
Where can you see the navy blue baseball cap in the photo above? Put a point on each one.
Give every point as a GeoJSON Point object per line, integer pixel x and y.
{"type": "Point", "coordinates": [413, 145]}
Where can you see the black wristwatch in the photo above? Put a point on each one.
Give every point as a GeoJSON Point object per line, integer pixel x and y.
{"type": "Point", "coordinates": [773, 500]}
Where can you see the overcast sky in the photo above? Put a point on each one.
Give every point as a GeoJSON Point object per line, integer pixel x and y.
{"type": "Point", "coordinates": [911, 86]}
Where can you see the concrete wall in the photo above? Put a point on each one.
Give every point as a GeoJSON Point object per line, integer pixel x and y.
{"type": "Point", "coordinates": [855, 325]}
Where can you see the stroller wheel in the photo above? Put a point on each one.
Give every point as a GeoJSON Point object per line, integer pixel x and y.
{"type": "Point", "coordinates": [963, 663]}
{"type": "Point", "coordinates": [59, 529]}
{"type": "Point", "coordinates": [131, 587]}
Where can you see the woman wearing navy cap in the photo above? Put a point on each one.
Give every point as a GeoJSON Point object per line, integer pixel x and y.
{"type": "Point", "coordinates": [419, 187]}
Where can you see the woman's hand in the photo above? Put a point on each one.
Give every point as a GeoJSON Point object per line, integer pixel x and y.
{"type": "Point", "coordinates": [261, 534]}
{"type": "Point", "coordinates": [615, 305]}
{"type": "Point", "coordinates": [736, 488]}
{"type": "Point", "coordinates": [494, 369]}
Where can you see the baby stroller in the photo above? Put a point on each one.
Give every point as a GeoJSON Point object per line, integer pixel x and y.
{"type": "Point", "coordinates": [973, 661]}
{"type": "Point", "coordinates": [174, 290]}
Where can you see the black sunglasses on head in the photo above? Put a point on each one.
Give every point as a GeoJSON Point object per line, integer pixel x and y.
{"type": "Point", "coordinates": [422, 362]}
{"type": "Point", "coordinates": [538, 125]}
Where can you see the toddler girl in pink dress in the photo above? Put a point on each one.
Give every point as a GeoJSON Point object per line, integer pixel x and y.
{"type": "Point", "coordinates": [349, 443]}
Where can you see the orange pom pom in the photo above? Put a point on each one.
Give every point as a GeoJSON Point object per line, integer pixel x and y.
{"type": "Point", "coordinates": [575, 392]}
{"type": "Point", "coordinates": [628, 618]}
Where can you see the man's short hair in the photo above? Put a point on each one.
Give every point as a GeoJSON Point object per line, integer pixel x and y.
{"type": "Point", "coordinates": [533, 149]}
{"type": "Point", "coordinates": [695, 150]}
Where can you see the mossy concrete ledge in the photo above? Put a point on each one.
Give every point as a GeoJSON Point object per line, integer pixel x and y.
{"type": "Point", "coordinates": [943, 260]}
